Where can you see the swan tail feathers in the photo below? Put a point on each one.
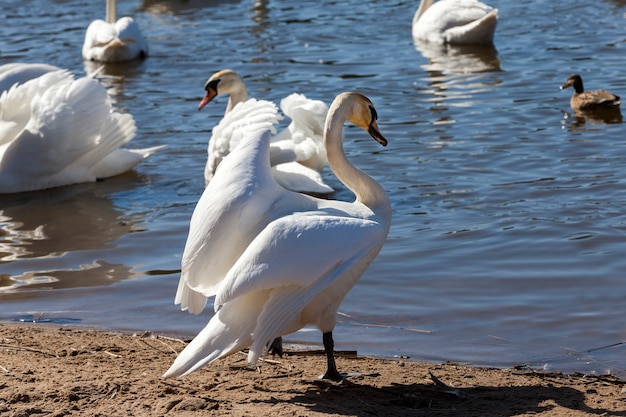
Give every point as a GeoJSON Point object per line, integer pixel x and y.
{"type": "Point", "coordinates": [216, 340]}
{"type": "Point", "coordinates": [147, 152]}
{"type": "Point", "coordinates": [480, 31]}
{"type": "Point", "coordinates": [228, 331]}
{"type": "Point", "coordinates": [122, 160]}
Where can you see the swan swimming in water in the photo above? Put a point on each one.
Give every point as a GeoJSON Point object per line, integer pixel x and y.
{"type": "Point", "coordinates": [278, 260]}
{"type": "Point", "coordinates": [114, 40]}
{"type": "Point", "coordinates": [454, 22]}
{"type": "Point", "coordinates": [297, 154]}
{"type": "Point", "coordinates": [56, 130]}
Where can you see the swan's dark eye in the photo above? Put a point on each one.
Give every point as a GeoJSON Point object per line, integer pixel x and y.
{"type": "Point", "coordinates": [211, 85]}
{"type": "Point", "coordinates": [373, 112]}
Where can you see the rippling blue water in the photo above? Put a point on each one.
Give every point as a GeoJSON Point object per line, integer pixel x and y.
{"type": "Point", "coordinates": [508, 238]}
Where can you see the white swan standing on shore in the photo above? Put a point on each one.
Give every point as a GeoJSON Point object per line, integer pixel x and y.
{"type": "Point", "coordinates": [56, 130]}
{"type": "Point", "coordinates": [297, 154]}
{"type": "Point", "coordinates": [114, 40]}
{"type": "Point", "coordinates": [455, 22]}
{"type": "Point", "coordinates": [279, 260]}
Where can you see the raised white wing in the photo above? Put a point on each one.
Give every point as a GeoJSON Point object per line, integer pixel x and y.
{"type": "Point", "coordinates": [305, 133]}
{"type": "Point", "coordinates": [71, 123]}
{"type": "Point", "coordinates": [243, 120]}
{"type": "Point", "coordinates": [16, 104]}
{"type": "Point", "coordinates": [234, 207]}
{"type": "Point", "coordinates": [246, 118]}
{"type": "Point", "coordinates": [55, 131]}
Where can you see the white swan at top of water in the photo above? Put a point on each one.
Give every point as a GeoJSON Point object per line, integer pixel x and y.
{"type": "Point", "coordinates": [455, 22]}
{"type": "Point", "coordinates": [277, 260]}
{"type": "Point", "coordinates": [297, 154]}
{"type": "Point", "coordinates": [113, 40]}
{"type": "Point", "coordinates": [56, 130]}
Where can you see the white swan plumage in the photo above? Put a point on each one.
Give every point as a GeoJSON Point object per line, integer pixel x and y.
{"type": "Point", "coordinates": [274, 259]}
{"type": "Point", "coordinates": [19, 73]}
{"type": "Point", "coordinates": [297, 153]}
{"type": "Point", "coordinates": [455, 22]}
{"type": "Point", "coordinates": [56, 130]}
{"type": "Point", "coordinates": [113, 40]}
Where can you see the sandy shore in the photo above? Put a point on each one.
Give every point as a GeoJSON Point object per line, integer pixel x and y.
{"type": "Point", "coordinates": [59, 371]}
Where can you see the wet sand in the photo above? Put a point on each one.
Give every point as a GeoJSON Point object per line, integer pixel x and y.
{"type": "Point", "coordinates": [61, 371]}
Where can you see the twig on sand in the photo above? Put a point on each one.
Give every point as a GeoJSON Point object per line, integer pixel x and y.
{"type": "Point", "coordinates": [270, 361]}
{"type": "Point", "coordinates": [160, 339]}
{"type": "Point", "coordinates": [447, 388]}
{"type": "Point", "coordinates": [142, 340]}
{"type": "Point", "coordinates": [4, 346]}
{"type": "Point", "coordinates": [150, 335]}
{"type": "Point", "coordinates": [115, 355]}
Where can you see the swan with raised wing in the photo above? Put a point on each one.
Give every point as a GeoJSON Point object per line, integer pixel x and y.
{"type": "Point", "coordinates": [56, 130]}
{"type": "Point", "coordinates": [297, 154]}
{"type": "Point", "coordinates": [114, 40]}
{"type": "Point", "coordinates": [282, 259]}
{"type": "Point", "coordinates": [455, 22]}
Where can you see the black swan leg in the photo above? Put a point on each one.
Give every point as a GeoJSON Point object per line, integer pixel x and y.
{"type": "Point", "coordinates": [329, 346]}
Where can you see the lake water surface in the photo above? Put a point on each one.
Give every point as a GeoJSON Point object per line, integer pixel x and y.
{"type": "Point", "coordinates": [508, 242]}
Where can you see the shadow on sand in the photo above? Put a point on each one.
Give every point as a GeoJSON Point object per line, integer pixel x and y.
{"type": "Point", "coordinates": [423, 399]}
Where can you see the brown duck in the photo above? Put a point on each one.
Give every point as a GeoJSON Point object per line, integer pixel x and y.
{"type": "Point", "coordinates": [589, 100]}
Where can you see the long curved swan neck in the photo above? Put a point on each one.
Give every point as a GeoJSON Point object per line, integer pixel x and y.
{"type": "Point", "coordinates": [366, 190]}
{"type": "Point", "coordinates": [424, 5]}
{"type": "Point", "coordinates": [111, 15]}
{"type": "Point", "coordinates": [237, 96]}
{"type": "Point", "coordinates": [232, 84]}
